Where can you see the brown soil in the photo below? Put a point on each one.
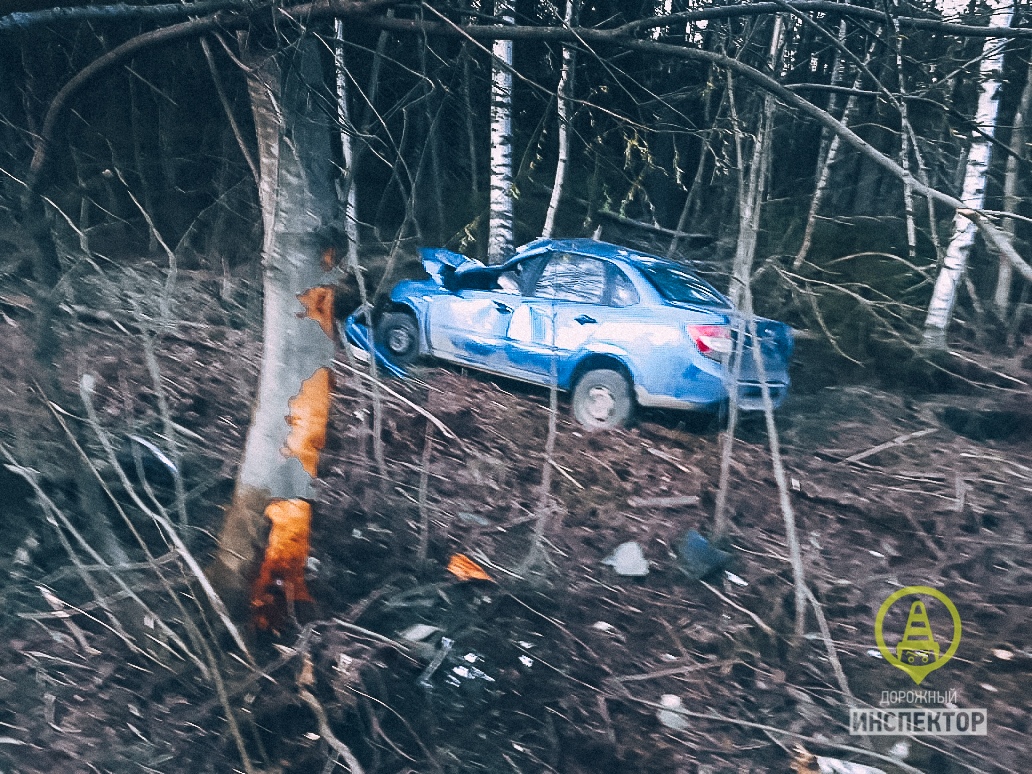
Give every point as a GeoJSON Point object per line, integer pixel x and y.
{"type": "Point", "coordinates": [947, 509]}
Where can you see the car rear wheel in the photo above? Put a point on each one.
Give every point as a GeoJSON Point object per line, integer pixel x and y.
{"type": "Point", "coordinates": [602, 400]}
{"type": "Point", "coordinates": [398, 335]}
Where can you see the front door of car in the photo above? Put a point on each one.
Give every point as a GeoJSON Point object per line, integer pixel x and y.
{"type": "Point", "coordinates": [469, 326]}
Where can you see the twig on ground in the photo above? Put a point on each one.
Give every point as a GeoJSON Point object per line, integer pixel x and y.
{"type": "Point", "coordinates": [305, 680]}
{"type": "Point", "coordinates": [897, 441]}
{"type": "Point", "coordinates": [59, 606]}
{"type": "Point", "coordinates": [739, 608]}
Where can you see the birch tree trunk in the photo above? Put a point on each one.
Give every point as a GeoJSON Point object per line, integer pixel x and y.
{"type": "Point", "coordinates": [751, 193]}
{"type": "Point", "coordinates": [1001, 298]}
{"type": "Point", "coordinates": [350, 214]}
{"type": "Point", "coordinates": [944, 295]}
{"type": "Point", "coordinates": [565, 91]}
{"type": "Point", "coordinates": [263, 546]}
{"type": "Point", "coordinates": [500, 216]}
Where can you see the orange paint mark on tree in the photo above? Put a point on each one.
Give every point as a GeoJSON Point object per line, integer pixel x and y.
{"type": "Point", "coordinates": [281, 579]}
{"type": "Point", "coordinates": [329, 258]}
{"type": "Point", "coordinates": [318, 304]}
{"type": "Point", "coordinates": [309, 413]}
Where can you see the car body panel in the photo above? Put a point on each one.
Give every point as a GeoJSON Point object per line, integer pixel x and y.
{"type": "Point", "coordinates": [496, 319]}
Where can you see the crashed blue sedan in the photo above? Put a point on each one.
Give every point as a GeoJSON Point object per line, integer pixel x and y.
{"type": "Point", "coordinates": [613, 326]}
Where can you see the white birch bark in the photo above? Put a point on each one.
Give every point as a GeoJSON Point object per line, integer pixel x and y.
{"type": "Point", "coordinates": [944, 295]}
{"type": "Point", "coordinates": [1001, 298]}
{"type": "Point", "coordinates": [297, 202]}
{"type": "Point", "coordinates": [751, 194]}
{"type": "Point", "coordinates": [350, 214]}
{"type": "Point", "coordinates": [566, 78]}
{"type": "Point", "coordinates": [827, 152]}
{"type": "Point", "coordinates": [500, 216]}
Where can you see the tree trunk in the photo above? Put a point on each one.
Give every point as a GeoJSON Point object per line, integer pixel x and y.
{"type": "Point", "coordinates": [944, 296]}
{"type": "Point", "coordinates": [752, 193]}
{"type": "Point", "coordinates": [563, 95]}
{"type": "Point", "coordinates": [350, 197]}
{"type": "Point", "coordinates": [500, 216]}
{"type": "Point", "coordinates": [263, 546]}
{"type": "Point", "coordinates": [1001, 298]}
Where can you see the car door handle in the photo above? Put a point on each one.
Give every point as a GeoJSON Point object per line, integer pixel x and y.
{"type": "Point", "coordinates": [585, 319]}
{"type": "Point", "coordinates": [502, 308]}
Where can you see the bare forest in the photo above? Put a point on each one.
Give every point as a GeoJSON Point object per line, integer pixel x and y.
{"type": "Point", "coordinates": [231, 542]}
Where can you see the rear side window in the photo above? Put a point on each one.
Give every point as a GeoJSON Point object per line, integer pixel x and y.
{"type": "Point", "coordinates": [568, 277]}
{"type": "Point", "coordinates": [677, 284]}
{"type": "Point", "coordinates": [622, 292]}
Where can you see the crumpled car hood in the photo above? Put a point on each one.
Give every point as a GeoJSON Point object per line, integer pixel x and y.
{"type": "Point", "coordinates": [453, 271]}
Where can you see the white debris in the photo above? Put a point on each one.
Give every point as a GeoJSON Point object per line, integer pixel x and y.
{"type": "Point", "coordinates": [900, 750]}
{"type": "Point", "coordinates": [629, 560]}
{"type": "Point", "coordinates": [418, 632]}
{"type": "Point", "coordinates": [670, 719]}
{"type": "Point", "coordinates": [735, 579]}
{"type": "Point", "coordinates": [836, 766]}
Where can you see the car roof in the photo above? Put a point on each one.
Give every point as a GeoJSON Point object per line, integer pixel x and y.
{"type": "Point", "coordinates": [593, 247]}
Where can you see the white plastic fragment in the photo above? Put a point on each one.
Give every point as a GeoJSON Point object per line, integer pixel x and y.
{"type": "Point", "coordinates": [900, 750]}
{"type": "Point", "coordinates": [670, 719]}
{"type": "Point", "coordinates": [418, 632]}
{"type": "Point", "coordinates": [603, 626]}
{"type": "Point", "coordinates": [735, 579]}
{"type": "Point", "coordinates": [628, 560]}
{"type": "Point", "coordinates": [836, 766]}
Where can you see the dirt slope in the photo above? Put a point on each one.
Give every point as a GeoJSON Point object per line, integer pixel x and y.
{"type": "Point", "coordinates": [578, 657]}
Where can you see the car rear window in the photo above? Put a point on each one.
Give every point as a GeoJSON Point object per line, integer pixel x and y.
{"type": "Point", "coordinates": [677, 284]}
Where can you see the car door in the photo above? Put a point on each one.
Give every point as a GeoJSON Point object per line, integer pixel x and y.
{"type": "Point", "coordinates": [470, 326]}
{"type": "Point", "coordinates": [565, 310]}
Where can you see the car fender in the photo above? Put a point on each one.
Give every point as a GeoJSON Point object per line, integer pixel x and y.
{"type": "Point", "coordinates": [597, 349]}
{"type": "Point", "coordinates": [414, 296]}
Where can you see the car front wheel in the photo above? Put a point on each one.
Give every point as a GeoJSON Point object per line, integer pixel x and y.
{"type": "Point", "coordinates": [398, 334]}
{"type": "Point", "coordinates": [602, 400]}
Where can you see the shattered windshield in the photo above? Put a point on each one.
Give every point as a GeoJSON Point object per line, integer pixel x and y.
{"type": "Point", "coordinates": [677, 284]}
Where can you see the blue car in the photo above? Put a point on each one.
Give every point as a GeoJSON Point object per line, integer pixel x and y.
{"type": "Point", "coordinates": [613, 326]}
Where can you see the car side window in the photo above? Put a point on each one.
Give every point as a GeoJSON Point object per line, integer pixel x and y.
{"type": "Point", "coordinates": [568, 277]}
{"type": "Point", "coordinates": [622, 291]}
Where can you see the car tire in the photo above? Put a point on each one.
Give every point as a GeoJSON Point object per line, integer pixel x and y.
{"type": "Point", "coordinates": [602, 400]}
{"type": "Point", "coordinates": [398, 336]}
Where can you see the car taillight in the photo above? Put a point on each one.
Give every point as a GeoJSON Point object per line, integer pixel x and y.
{"type": "Point", "coordinates": [713, 341]}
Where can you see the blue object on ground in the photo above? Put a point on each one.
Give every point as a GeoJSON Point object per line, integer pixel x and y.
{"type": "Point", "coordinates": [699, 558]}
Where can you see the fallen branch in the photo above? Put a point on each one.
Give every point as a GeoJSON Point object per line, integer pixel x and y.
{"type": "Point", "coordinates": [723, 598]}
{"type": "Point", "coordinates": [897, 441]}
{"type": "Point", "coordinates": [662, 502]}
{"type": "Point", "coordinates": [306, 679]}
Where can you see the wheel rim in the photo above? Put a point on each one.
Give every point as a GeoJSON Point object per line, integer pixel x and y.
{"type": "Point", "coordinates": [600, 404]}
{"type": "Point", "coordinates": [398, 340]}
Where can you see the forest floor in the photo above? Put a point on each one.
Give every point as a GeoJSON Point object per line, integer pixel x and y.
{"type": "Point", "coordinates": [562, 669]}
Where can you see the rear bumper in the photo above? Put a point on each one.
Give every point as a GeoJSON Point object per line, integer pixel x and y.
{"type": "Point", "coordinates": [750, 397]}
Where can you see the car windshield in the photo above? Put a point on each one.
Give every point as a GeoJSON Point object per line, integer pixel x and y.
{"type": "Point", "coordinates": [677, 284]}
